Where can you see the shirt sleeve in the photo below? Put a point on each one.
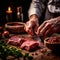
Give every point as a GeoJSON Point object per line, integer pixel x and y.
{"type": "Point", "coordinates": [36, 7]}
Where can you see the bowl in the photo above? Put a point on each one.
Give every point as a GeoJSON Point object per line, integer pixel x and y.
{"type": "Point", "coordinates": [53, 43]}
{"type": "Point", "coordinates": [15, 27]}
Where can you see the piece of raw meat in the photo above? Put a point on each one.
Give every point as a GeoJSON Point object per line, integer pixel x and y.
{"type": "Point", "coordinates": [16, 40]}
{"type": "Point", "coordinates": [30, 45]}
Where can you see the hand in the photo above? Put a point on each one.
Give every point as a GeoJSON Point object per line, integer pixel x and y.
{"type": "Point", "coordinates": [32, 25]}
{"type": "Point", "coordinates": [49, 27]}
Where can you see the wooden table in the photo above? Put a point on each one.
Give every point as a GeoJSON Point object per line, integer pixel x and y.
{"type": "Point", "coordinates": [41, 54]}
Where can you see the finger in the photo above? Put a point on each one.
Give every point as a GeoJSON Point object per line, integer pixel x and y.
{"type": "Point", "coordinates": [40, 27]}
{"type": "Point", "coordinates": [46, 27]}
{"type": "Point", "coordinates": [25, 27]}
{"type": "Point", "coordinates": [28, 28]}
{"type": "Point", "coordinates": [30, 31]}
{"type": "Point", "coordinates": [51, 30]}
{"type": "Point", "coordinates": [49, 33]}
{"type": "Point", "coordinates": [36, 27]}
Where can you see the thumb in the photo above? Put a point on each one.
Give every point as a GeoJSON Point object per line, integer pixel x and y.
{"type": "Point", "coordinates": [36, 27]}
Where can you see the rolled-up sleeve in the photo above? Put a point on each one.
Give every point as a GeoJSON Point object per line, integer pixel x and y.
{"type": "Point", "coordinates": [36, 7]}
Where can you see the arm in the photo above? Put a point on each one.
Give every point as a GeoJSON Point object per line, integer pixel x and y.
{"type": "Point", "coordinates": [35, 11]}
{"type": "Point", "coordinates": [36, 8]}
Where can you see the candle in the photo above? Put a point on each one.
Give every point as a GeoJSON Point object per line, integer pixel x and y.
{"type": "Point", "coordinates": [9, 14]}
{"type": "Point", "coordinates": [9, 10]}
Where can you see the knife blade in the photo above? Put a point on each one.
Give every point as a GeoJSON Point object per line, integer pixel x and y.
{"type": "Point", "coordinates": [35, 37]}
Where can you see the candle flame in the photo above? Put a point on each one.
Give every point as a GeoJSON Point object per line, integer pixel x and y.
{"type": "Point", "coordinates": [9, 8]}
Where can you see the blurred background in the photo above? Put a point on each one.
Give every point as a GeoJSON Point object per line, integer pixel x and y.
{"type": "Point", "coordinates": [4, 4]}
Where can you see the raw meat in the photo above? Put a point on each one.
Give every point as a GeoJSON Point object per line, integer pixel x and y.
{"type": "Point", "coordinates": [16, 40]}
{"type": "Point", "coordinates": [55, 39]}
{"type": "Point", "coordinates": [24, 43]}
{"type": "Point", "coordinates": [30, 45]}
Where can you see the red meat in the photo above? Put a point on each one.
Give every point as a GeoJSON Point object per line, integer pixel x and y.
{"type": "Point", "coordinates": [30, 45]}
{"type": "Point", "coordinates": [55, 39]}
{"type": "Point", "coordinates": [16, 40]}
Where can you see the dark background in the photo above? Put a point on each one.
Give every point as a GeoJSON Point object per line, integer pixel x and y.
{"type": "Point", "coordinates": [14, 4]}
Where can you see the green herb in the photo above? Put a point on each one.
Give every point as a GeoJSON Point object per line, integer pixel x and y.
{"type": "Point", "coordinates": [13, 51]}
{"type": "Point", "coordinates": [28, 56]}
{"type": "Point", "coordinates": [17, 53]}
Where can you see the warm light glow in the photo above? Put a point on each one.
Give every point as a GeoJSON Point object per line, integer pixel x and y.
{"type": "Point", "coordinates": [9, 10]}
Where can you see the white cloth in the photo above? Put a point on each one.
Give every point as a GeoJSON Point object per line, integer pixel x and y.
{"type": "Point", "coordinates": [38, 6]}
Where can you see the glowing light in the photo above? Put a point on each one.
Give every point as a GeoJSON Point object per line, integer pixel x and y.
{"type": "Point", "coordinates": [9, 10]}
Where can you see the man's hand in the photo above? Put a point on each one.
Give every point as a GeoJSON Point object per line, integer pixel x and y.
{"type": "Point", "coordinates": [32, 25]}
{"type": "Point", "coordinates": [49, 27]}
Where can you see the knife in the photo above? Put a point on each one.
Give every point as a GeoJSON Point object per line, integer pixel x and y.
{"type": "Point", "coordinates": [35, 37]}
